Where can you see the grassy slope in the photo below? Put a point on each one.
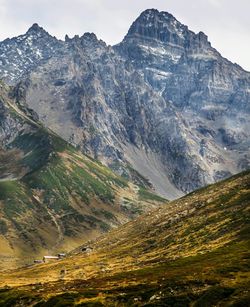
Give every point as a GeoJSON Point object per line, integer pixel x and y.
{"type": "Point", "coordinates": [52, 198]}
{"type": "Point", "coordinates": [65, 198]}
{"type": "Point", "coordinates": [194, 252]}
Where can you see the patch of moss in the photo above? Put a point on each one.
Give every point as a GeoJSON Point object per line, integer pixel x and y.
{"type": "Point", "coordinates": [37, 147]}
{"type": "Point", "coordinates": [213, 295]}
{"type": "Point", "coordinates": [62, 300]}
{"type": "Point", "coordinates": [16, 198]}
{"type": "Point", "coordinates": [146, 195]}
{"type": "Point", "coordinates": [3, 227]}
{"type": "Point", "coordinates": [11, 298]}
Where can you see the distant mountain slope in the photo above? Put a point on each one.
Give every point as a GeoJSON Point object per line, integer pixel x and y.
{"type": "Point", "coordinates": [163, 101]}
{"type": "Point", "coordinates": [52, 196]}
{"type": "Point", "coordinates": [194, 251]}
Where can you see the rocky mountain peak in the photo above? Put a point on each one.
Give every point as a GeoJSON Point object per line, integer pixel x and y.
{"type": "Point", "coordinates": [154, 13]}
{"type": "Point", "coordinates": [89, 36]}
{"type": "Point", "coordinates": [35, 28]}
{"type": "Point", "coordinates": [91, 39]}
{"type": "Point", "coordinates": [87, 40]}
{"type": "Point", "coordinates": [36, 31]}
{"type": "Point", "coordinates": [160, 26]}
{"type": "Point", "coordinates": [20, 54]}
{"type": "Point", "coordinates": [67, 39]}
{"type": "Point", "coordinates": [164, 92]}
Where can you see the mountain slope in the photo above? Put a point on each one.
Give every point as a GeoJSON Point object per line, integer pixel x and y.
{"type": "Point", "coordinates": [193, 252]}
{"type": "Point", "coordinates": [89, 101]}
{"type": "Point", "coordinates": [51, 195]}
{"type": "Point", "coordinates": [163, 101]}
{"type": "Point", "coordinates": [210, 95]}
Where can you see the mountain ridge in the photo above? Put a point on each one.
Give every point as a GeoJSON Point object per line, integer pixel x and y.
{"type": "Point", "coordinates": [173, 101]}
{"type": "Point", "coordinates": [51, 195]}
{"type": "Point", "coordinates": [89, 133]}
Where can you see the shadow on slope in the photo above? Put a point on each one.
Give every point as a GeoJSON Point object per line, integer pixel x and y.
{"type": "Point", "coordinates": [51, 196]}
{"type": "Point", "coordinates": [193, 252]}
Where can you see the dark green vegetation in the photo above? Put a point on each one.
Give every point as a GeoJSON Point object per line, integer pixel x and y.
{"type": "Point", "coordinates": [193, 252]}
{"type": "Point", "coordinates": [131, 174]}
{"type": "Point", "coordinates": [3, 227]}
{"type": "Point", "coordinates": [52, 197]}
{"type": "Point", "coordinates": [145, 194]}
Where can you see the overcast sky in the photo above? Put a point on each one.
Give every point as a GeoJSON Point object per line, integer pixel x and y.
{"type": "Point", "coordinates": [226, 22]}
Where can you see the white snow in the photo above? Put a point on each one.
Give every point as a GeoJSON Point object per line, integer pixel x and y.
{"type": "Point", "coordinates": [177, 29]}
{"type": "Point", "coordinates": [202, 56]}
{"type": "Point", "coordinates": [161, 51]}
{"type": "Point", "coordinates": [19, 51]}
{"type": "Point", "coordinates": [38, 53]}
{"type": "Point", "coordinates": [211, 107]}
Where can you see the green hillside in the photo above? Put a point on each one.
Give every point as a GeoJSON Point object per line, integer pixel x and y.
{"type": "Point", "coordinates": [52, 197]}
{"type": "Point", "coordinates": [192, 252]}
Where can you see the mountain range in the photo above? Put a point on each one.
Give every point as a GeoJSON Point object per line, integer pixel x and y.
{"type": "Point", "coordinates": [163, 102]}
{"type": "Point", "coordinates": [99, 146]}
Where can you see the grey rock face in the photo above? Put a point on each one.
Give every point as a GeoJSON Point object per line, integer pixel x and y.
{"type": "Point", "coordinates": [182, 65]}
{"type": "Point", "coordinates": [163, 101]}
{"type": "Point", "coordinates": [21, 54]}
{"type": "Point", "coordinates": [10, 126]}
{"type": "Point", "coordinates": [210, 93]}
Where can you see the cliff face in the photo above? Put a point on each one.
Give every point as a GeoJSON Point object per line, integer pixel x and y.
{"type": "Point", "coordinates": [182, 65]}
{"type": "Point", "coordinates": [162, 104]}
{"type": "Point", "coordinates": [207, 91]}
{"type": "Point", "coordinates": [51, 196]}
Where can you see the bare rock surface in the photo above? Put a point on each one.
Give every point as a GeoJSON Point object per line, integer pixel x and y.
{"type": "Point", "coordinates": [163, 99]}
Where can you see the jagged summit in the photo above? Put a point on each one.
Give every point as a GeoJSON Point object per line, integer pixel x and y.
{"type": "Point", "coordinates": [157, 25]}
{"type": "Point", "coordinates": [164, 92]}
{"type": "Point", "coordinates": [36, 31]}
{"type": "Point", "coordinates": [89, 36]}
{"type": "Point", "coordinates": [87, 39]}
{"type": "Point", "coordinates": [22, 53]}
{"type": "Point", "coordinates": [35, 28]}
{"type": "Point", "coordinates": [67, 38]}
{"type": "Point", "coordinates": [152, 13]}
{"type": "Point", "coordinates": [90, 39]}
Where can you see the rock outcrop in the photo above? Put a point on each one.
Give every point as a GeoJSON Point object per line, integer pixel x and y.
{"type": "Point", "coordinates": [163, 104]}
{"type": "Point", "coordinates": [19, 55]}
